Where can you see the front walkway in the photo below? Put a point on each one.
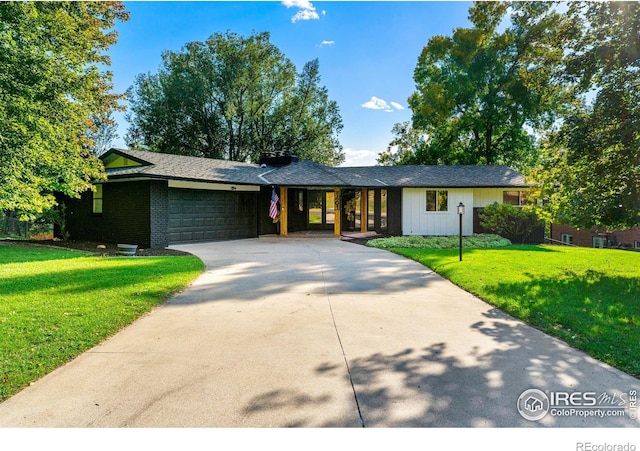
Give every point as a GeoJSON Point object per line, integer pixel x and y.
{"type": "Point", "coordinates": [315, 333]}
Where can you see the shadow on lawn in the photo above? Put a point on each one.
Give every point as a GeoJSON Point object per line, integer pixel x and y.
{"type": "Point", "coordinates": [592, 311]}
{"type": "Point", "coordinates": [127, 273]}
{"type": "Point", "coordinates": [23, 253]}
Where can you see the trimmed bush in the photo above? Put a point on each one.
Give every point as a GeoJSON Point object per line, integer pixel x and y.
{"type": "Point", "coordinates": [476, 241]}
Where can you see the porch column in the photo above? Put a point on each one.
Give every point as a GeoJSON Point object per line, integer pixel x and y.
{"type": "Point", "coordinates": [364, 210]}
{"type": "Point", "coordinates": [284, 202]}
{"type": "Point", "coordinates": [337, 212]}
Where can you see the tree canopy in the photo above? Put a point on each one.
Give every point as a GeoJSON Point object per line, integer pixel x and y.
{"type": "Point", "coordinates": [590, 171]}
{"type": "Point", "coordinates": [555, 95]}
{"type": "Point", "coordinates": [482, 92]}
{"type": "Point", "coordinates": [51, 82]}
{"type": "Point", "coordinates": [234, 97]}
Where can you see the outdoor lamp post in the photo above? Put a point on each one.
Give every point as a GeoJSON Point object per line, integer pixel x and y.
{"type": "Point", "coordinates": [460, 213]}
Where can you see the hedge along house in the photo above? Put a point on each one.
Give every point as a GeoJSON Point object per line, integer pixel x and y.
{"type": "Point", "coordinates": [154, 199]}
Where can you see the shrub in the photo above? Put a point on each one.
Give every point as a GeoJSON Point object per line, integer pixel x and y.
{"type": "Point", "coordinates": [507, 220]}
{"type": "Point", "coordinates": [477, 241]}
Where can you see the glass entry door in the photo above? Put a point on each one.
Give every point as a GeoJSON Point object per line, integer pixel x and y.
{"type": "Point", "coordinates": [321, 209]}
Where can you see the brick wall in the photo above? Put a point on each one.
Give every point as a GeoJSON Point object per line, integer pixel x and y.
{"type": "Point", "coordinates": [615, 238]}
{"type": "Point", "coordinates": [159, 214]}
{"type": "Point", "coordinates": [124, 218]}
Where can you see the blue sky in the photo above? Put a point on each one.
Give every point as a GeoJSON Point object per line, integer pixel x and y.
{"type": "Point", "coordinates": [367, 51]}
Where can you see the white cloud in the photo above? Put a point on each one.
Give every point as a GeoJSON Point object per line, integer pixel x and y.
{"type": "Point", "coordinates": [306, 11]}
{"type": "Point", "coordinates": [376, 103]}
{"type": "Point", "coordinates": [325, 42]}
{"type": "Point", "coordinates": [361, 157]}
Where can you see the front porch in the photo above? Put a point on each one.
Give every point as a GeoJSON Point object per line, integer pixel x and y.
{"type": "Point", "coordinates": [321, 212]}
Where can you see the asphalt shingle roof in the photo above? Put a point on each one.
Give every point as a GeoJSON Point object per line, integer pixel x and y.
{"type": "Point", "coordinates": [310, 174]}
{"type": "Point", "coordinates": [168, 166]}
{"type": "Point", "coordinates": [484, 176]}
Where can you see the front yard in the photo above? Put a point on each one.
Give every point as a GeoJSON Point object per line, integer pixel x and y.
{"type": "Point", "coordinates": [589, 298]}
{"type": "Point", "coordinates": [55, 304]}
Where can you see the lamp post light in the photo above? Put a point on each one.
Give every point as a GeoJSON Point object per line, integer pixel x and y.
{"type": "Point", "coordinates": [460, 213]}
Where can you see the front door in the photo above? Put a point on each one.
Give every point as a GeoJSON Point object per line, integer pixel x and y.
{"type": "Point", "coordinates": [321, 211]}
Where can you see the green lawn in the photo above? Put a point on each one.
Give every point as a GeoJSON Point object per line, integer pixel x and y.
{"type": "Point", "coordinates": [55, 304]}
{"type": "Point", "coordinates": [590, 298]}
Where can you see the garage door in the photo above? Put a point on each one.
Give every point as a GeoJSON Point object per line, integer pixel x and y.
{"type": "Point", "coordinates": [199, 215]}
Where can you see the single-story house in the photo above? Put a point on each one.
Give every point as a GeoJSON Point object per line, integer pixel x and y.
{"type": "Point", "coordinates": [154, 199]}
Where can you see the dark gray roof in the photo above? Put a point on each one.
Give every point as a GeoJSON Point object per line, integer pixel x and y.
{"type": "Point", "coordinates": [442, 176]}
{"type": "Point", "coordinates": [305, 173]}
{"type": "Point", "coordinates": [310, 174]}
{"type": "Point", "coordinates": [167, 166]}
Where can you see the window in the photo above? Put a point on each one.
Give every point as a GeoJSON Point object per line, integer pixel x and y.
{"type": "Point", "coordinates": [636, 244]}
{"type": "Point", "coordinates": [300, 201]}
{"type": "Point", "coordinates": [315, 207]}
{"type": "Point", "coordinates": [383, 209]}
{"type": "Point", "coordinates": [437, 200]}
{"type": "Point", "coordinates": [97, 199]}
{"type": "Point", "coordinates": [566, 238]}
{"type": "Point", "coordinates": [371, 210]}
{"type": "Point", "coordinates": [517, 198]}
{"type": "Point", "coordinates": [329, 208]}
{"type": "Point", "coordinates": [599, 242]}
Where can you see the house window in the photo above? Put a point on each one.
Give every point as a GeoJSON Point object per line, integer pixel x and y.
{"type": "Point", "coordinates": [566, 238]}
{"type": "Point", "coordinates": [371, 210]}
{"type": "Point", "coordinates": [329, 207]}
{"type": "Point", "coordinates": [437, 200]}
{"type": "Point", "coordinates": [97, 199]}
{"type": "Point", "coordinates": [636, 244]}
{"type": "Point", "coordinates": [517, 198]}
{"type": "Point", "coordinates": [599, 242]}
{"type": "Point", "coordinates": [383, 209]}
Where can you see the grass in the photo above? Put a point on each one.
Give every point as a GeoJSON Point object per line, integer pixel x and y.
{"type": "Point", "coordinates": [55, 304]}
{"type": "Point", "coordinates": [590, 298]}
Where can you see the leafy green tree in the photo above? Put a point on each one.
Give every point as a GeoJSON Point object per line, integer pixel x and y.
{"type": "Point", "coordinates": [234, 97]}
{"type": "Point", "coordinates": [481, 93]}
{"type": "Point", "coordinates": [51, 54]}
{"type": "Point", "coordinates": [590, 173]}
{"type": "Point", "coordinates": [406, 147]}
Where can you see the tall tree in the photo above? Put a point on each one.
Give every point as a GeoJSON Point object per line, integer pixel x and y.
{"type": "Point", "coordinates": [101, 132]}
{"type": "Point", "coordinates": [234, 97]}
{"type": "Point", "coordinates": [590, 174]}
{"type": "Point", "coordinates": [50, 84]}
{"type": "Point", "coordinates": [482, 92]}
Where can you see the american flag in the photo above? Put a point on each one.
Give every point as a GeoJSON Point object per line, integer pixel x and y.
{"type": "Point", "coordinates": [273, 208]}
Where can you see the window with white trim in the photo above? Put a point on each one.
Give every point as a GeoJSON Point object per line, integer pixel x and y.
{"type": "Point", "coordinates": [566, 238]}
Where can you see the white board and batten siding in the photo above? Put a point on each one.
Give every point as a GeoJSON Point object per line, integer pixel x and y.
{"type": "Point", "coordinates": [416, 220]}
{"type": "Point", "coordinates": [486, 196]}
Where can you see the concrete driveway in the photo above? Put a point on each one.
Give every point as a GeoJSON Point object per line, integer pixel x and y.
{"type": "Point", "coordinates": [318, 333]}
